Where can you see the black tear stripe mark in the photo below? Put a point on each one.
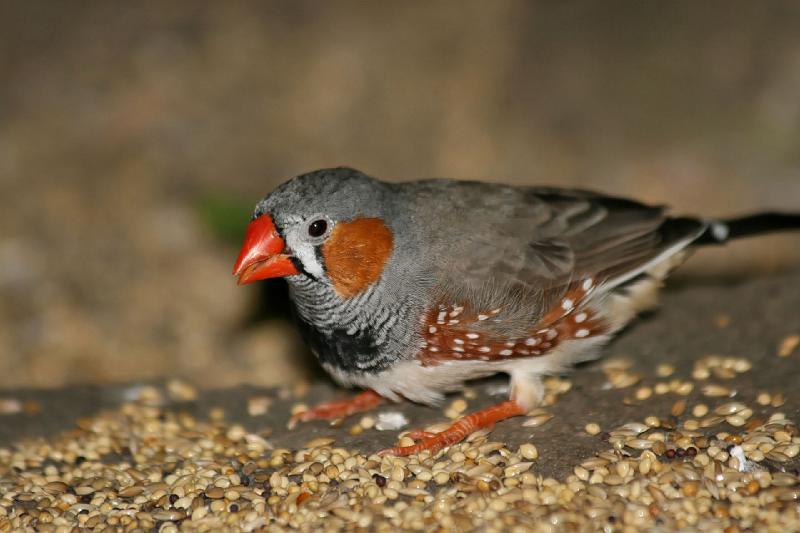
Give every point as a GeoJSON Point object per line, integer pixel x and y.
{"type": "Point", "coordinates": [294, 259]}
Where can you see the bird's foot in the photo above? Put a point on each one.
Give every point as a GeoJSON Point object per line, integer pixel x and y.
{"type": "Point", "coordinates": [339, 408]}
{"type": "Point", "coordinates": [458, 431]}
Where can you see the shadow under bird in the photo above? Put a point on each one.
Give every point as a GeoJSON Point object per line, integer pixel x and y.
{"type": "Point", "coordinates": [409, 290]}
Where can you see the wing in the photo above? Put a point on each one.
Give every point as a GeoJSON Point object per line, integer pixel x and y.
{"type": "Point", "coordinates": [530, 244]}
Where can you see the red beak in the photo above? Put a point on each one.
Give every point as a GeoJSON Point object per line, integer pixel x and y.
{"type": "Point", "coordinates": [262, 254]}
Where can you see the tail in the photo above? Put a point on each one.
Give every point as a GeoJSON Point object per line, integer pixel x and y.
{"type": "Point", "coordinates": [721, 231]}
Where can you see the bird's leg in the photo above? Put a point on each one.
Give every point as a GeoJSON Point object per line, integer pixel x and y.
{"type": "Point", "coordinates": [340, 408]}
{"type": "Point", "coordinates": [459, 430]}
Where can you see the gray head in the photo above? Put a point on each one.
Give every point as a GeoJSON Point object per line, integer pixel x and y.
{"type": "Point", "coordinates": [345, 243]}
{"type": "Point", "coordinates": [330, 225]}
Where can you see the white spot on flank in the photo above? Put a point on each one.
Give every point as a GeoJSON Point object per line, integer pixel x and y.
{"type": "Point", "coordinates": [456, 311]}
{"type": "Point", "coordinates": [580, 317]}
{"type": "Point", "coordinates": [453, 321]}
{"type": "Point", "coordinates": [440, 318]}
{"type": "Point", "coordinates": [482, 317]}
{"type": "Point", "coordinates": [484, 349]}
{"type": "Point", "coordinates": [494, 311]}
{"type": "Point", "coordinates": [506, 352]}
{"type": "Point", "coordinates": [532, 341]}
{"type": "Point", "coordinates": [551, 334]}
{"type": "Point", "coordinates": [432, 329]}
{"type": "Point", "coordinates": [587, 284]}
{"type": "Point", "coordinates": [583, 332]}
{"type": "Point", "coordinates": [472, 335]}
{"type": "Point", "coordinates": [458, 349]}
{"type": "Point", "coordinates": [567, 304]}
{"type": "Point", "coordinates": [511, 344]}
{"type": "Point", "coordinates": [458, 341]}
{"type": "Point", "coordinates": [433, 349]}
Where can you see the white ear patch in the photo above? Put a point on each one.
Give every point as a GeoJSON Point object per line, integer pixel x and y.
{"type": "Point", "coordinates": [305, 253]}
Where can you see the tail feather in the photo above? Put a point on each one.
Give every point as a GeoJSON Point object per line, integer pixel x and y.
{"type": "Point", "coordinates": [721, 231]}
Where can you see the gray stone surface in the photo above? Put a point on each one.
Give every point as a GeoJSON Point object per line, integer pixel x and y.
{"type": "Point", "coordinates": [762, 312]}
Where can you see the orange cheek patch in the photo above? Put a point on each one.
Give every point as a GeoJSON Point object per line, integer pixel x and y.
{"type": "Point", "coordinates": [356, 253]}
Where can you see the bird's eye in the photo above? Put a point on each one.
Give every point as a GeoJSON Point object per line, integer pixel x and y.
{"type": "Point", "coordinates": [317, 228]}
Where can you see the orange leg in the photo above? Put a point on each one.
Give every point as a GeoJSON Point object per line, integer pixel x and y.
{"type": "Point", "coordinates": [419, 434]}
{"type": "Point", "coordinates": [459, 430]}
{"type": "Point", "coordinates": [341, 408]}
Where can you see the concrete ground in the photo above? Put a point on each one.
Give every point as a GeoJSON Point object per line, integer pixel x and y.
{"type": "Point", "coordinates": [747, 320]}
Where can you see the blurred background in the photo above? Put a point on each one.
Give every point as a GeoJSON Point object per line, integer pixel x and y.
{"type": "Point", "coordinates": [135, 138]}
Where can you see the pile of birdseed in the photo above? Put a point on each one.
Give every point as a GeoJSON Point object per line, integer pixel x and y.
{"type": "Point", "coordinates": [708, 467]}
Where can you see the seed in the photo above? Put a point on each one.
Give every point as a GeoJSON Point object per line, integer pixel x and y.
{"type": "Point", "coordinates": [729, 408]}
{"type": "Point", "coordinates": [258, 405]}
{"type": "Point", "coordinates": [459, 405]}
{"type": "Point", "coordinates": [700, 410]}
{"type": "Point", "coordinates": [367, 422]}
{"type": "Point", "coordinates": [516, 469]}
{"type": "Point", "coordinates": [215, 493]}
{"type": "Point", "coordinates": [664, 370]}
{"type": "Point", "coordinates": [537, 420]}
{"type": "Point", "coordinates": [56, 487]}
{"type": "Point", "coordinates": [130, 492]}
{"type": "Point", "coordinates": [592, 428]}
{"type": "Point", "coordinates": [652, 421]}
{"type": "Point", "coordinates": [763, 398]}
{"type": "Point", "coordinates": [169, 516]}
{"type": "Point", "coordinates": [723, 373]}
{"type": "Point", "coordinates": [691, 424]}
{"type": "Point", "coordinates": [690, 488]}
{"type": "Point", "coordinates": [661, 388]}
{"type": "Point", "coordinates": [778, 400]}
{"type": "Point", "coordinates": [620, 379]}
{"type": "Point", "coordinates": [581, 473]}
{"type": "Point", "coordinates": [742, 365]}
{"type": "Point", "coordinates": [711, 421]}
{"type": "Point", "coordinates": [398, 474]}
{"type": "Point", "coordinates": [788, 345]}
{"type": "Point", "coordinates": [736, 420]}
{"type": "Point", "coordinates": [617, 363]}
{"type": "Point", "coordinates": [643, 393]}
{"type": "Point", "coordinates": [716, 391]}
{"type": "Point", "coordinates": [678, 408]}
{"type": "Point", "coordinates": [528, 451]}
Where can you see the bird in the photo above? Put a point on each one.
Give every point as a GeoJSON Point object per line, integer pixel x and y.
{"type": "Point", "coordinates": [409, 290]}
